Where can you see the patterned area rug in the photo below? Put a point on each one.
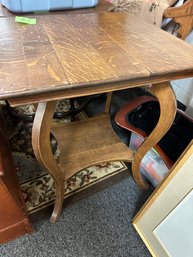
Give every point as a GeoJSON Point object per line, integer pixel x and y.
{"type": "Point", "coordinates": [36, 184]}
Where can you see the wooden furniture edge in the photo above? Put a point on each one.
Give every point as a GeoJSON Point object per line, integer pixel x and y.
{"type": "Point", "coordinates": [182, 15]}
{"type": "Point", "coordinates": [15, 230]}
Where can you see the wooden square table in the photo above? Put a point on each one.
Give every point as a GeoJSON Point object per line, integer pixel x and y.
{"type": "Point", "coordinates": [72, 55]}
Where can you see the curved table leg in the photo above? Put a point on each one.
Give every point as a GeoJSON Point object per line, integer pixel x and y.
{"type": "Point", "coordinates": [43, 152]}
{"type": "Point", "coordinates": [164, 93]}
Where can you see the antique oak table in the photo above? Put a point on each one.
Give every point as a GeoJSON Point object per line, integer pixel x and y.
{"type": "Point", "coordinates": [66, 56]}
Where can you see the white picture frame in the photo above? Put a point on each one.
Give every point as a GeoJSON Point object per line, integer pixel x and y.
{"type": "Point", "coordinates": [165, 222]}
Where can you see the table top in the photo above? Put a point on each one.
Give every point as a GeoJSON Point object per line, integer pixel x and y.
{"type": "Point", "coordinates": [92, 53]}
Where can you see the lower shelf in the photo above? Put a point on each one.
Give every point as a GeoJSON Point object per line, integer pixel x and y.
{"type": "Point", "coordinates": [88, 142]}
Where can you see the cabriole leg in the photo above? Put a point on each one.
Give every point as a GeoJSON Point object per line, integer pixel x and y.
{"type": "Point", "coordinates": [43, 152]}
{"type": "Point", "coordinates": [164, 93]}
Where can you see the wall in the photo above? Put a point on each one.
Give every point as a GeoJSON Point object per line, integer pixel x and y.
{"type": "Point", "coordinates": [184, 88]}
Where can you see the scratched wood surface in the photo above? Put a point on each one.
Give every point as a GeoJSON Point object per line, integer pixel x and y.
{"type": "Point", "coordinates": [86, 151]}
{"type": "Point", "coordinates": [81, 51]}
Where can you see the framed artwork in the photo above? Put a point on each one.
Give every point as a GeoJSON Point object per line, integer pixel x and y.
{"type": "Point", "coordinates": [165, 222]}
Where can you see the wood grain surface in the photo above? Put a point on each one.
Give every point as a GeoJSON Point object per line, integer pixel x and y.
{"type": "Point", "coordinates": [105, 146]}
{"type": "Point", "coordinates": [64, 53]}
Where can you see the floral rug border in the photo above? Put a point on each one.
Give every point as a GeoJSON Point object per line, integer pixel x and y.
{"type": "Point", "coordinates": [39, 192]}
